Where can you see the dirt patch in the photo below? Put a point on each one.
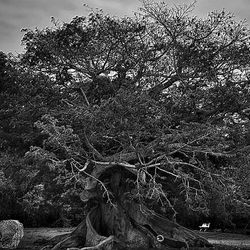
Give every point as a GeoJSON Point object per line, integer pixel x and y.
{"type": "Point", "coordinates": [34, 238]}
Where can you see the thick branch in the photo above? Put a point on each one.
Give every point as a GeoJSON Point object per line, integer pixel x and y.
{"type": "Point", "coordinates": [84, 97]}
{"type": "Point", "coordinates": [156, 90]}
{"type": "Point", "coordinates": [95, 152]}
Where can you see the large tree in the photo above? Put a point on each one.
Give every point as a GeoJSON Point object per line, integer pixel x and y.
{"type": "Point", "coordinates": [153, 118]}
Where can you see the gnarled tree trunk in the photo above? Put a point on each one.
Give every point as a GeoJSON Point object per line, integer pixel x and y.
{"type": "Point", "coordinates": [122, 222]}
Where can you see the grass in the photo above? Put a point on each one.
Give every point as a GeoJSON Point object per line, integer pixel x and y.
{"type": "Point", "coordinates": [35, 238]}
{"type": "Point", "coordinates": [229, 241]}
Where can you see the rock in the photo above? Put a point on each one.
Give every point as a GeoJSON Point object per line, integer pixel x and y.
{"type": "Point", "coordinates": [11, 232]}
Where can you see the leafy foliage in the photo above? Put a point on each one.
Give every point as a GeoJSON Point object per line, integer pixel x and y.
{"type": "Point", "coordinates": [162, 98]}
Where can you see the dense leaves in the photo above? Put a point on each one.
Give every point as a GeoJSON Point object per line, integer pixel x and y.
{"type": "Point", "coordinates": [164, 95]}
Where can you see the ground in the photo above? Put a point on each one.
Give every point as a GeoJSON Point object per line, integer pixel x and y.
{"type": "Point", "coordinates": [226, 240]}
{"type": "Point", "coordinates": [34, 238]}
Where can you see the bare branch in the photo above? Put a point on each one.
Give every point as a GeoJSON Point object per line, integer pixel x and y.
{"type": "Point", "coordinates": [94, 151]}
{"type": "Point", "coordinates": [84, 97]}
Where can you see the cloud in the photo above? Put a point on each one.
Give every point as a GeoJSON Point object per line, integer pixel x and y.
{"type": "Point", "coordinates": [240, 8]}
{"type": "Point", "coordinates": [115, 7]}
{"type": "Point", "coordinates": [18, 14]}
{"type": "Point", "coordinates": [6, 25]}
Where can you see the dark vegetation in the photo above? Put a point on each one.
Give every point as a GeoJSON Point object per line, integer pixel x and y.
{"type": "Point", "coordinates": [153, 110]}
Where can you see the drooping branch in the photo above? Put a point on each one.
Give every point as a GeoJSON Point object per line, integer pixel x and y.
{"type": "Point", "coordinates": [156, 90]}
{"type": "Point", "coordinates": [84, 97]}
{"type": "Point", "coordinates": [94, 151]}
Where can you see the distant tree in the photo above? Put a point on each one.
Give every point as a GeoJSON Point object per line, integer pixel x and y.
{"type": "Point", "coordinates": [154, 117]}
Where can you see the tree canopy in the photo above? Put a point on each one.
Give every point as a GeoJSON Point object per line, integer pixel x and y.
{"type": "Point", "coordinates": [159, 103]}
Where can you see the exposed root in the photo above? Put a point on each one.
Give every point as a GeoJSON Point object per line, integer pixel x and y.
{"type": "Point", "coordinates": [106, 244]}
{"type": "Point", "coordinates": [76, 238]}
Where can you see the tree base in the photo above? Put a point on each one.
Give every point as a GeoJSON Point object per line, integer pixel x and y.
{"type": "Point", "coordinates": [126, 226]}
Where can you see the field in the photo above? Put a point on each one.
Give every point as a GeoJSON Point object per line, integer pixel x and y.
{"type": "Point", "coordinates": [227, 240]}
{"type": "Point", "coordinates": [34, 238]}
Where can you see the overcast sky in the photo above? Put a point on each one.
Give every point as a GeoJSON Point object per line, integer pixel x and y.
{"type": "Point", "coordinates": [18, 14]}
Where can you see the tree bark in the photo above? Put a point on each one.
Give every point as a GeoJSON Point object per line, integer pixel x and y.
{"type": "Point", "coordinates": [107, 227]}
{"type": "Point", "coordinates": [124, 223]}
